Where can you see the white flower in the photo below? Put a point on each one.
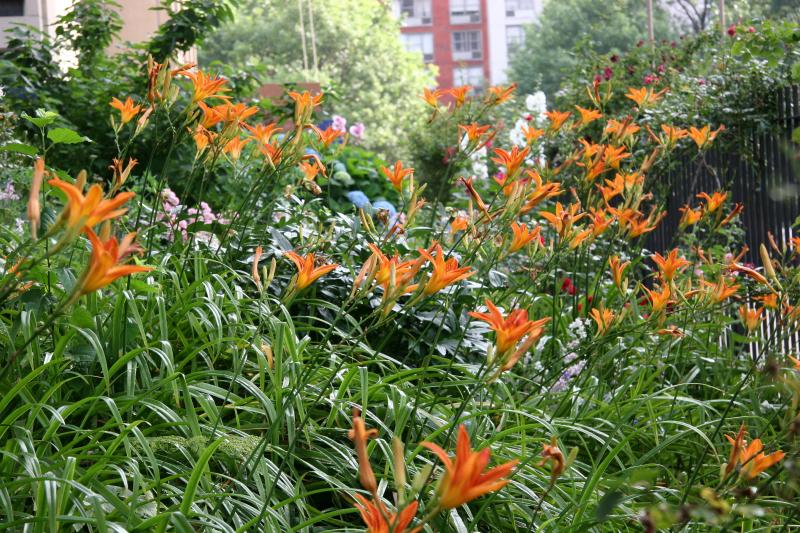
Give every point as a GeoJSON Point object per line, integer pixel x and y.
{"type": "Point", "coordinates": [536, 103]}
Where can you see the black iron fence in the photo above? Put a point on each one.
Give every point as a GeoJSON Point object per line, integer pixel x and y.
{"type": "Point", "coordinates": [761, 171]}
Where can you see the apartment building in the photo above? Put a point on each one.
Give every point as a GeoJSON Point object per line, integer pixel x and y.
{"type": "Point", "coordinates": [470, 41]}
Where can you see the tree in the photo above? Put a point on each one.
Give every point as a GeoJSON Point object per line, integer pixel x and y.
{"type": "Point", "coordinates": [699, 15]}
{"type": "Point", "coordinates": [565, 26]}
{"type": "Point", "coordinates": [352, 45]}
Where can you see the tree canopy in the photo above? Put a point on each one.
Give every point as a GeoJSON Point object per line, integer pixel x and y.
{"type": "Point", "coordinates": [351, 45]}
{"type": "Point", "coordinates": [567, 25]}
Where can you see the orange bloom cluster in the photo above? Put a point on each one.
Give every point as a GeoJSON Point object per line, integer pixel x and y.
{"type": "Point", "coordinates": [307, 271]}
{"type": "Point", "coordinates": [105, 262]}
{"type": "Point", "coordinates": [750, 458]}
{"type": "Point", "coordinates": [465, 475]}
{"type": "Point", "coordinates": [509, 331]}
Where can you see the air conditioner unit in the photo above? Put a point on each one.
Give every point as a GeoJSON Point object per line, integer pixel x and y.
{"type": "Point", "coordinates": [427, 57]}
{"type": "Point", "coordinates": [476, 55]}
{"type": "Point", "coordinates": [426, 20]}
{"type": "Point", "coordinates": [510, 13]}
{"type": "Point", "coordinates": [475, 18]}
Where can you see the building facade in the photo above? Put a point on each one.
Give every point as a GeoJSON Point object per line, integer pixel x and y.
{"type": "Point", "coordinates": [139, 19]}
{"type": "Point", "coordinates": [470, 41]}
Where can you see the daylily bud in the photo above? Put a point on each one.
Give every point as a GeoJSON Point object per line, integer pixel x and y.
{"type": "Point", "coordinates": [34, 207]}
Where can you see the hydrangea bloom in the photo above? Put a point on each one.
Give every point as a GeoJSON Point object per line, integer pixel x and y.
{"type": "Point", "coordinates": [359, 199]}
{"type": "Point", "coordinates": [339, 123]}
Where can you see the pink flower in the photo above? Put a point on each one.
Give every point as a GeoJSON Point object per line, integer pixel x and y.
{"type": "Point", "coordinates": [357, 130]}
{"type": "Point", "coordinates": [607, 73]}
{"type": "Point", "coordinates": [339, 123]}
{"type": "Point", "coordinates": [732, 30]}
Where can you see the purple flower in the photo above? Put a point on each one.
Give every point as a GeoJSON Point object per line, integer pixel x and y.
{"type": "Point", "coordinates": [607, 73]}
{"type": "Point", "coordinates": [357, 130]}
{"type": "Point", "coordinates": [339, 123]}
{"type": "Point", "coordinates": [8, 193]}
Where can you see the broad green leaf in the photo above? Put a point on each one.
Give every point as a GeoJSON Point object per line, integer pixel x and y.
{"type": "Point", "coordinates": [19, 148]}
{"type": "Point", "coordinates": [65, 136]}
{"type": "Point", "coordinates": [43, 118]}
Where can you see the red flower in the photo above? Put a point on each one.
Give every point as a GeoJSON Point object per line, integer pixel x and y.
{"type": "Point", "coordinates": [568, 287]}
{"type": "Point", "coordinates": [732, 30]}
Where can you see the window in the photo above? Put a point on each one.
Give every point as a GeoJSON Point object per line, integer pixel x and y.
{"type": "Point", "coordinates": [515, 37]}
{"type": "Point", "coordinates": [465, 11]}
{"type": "Point", "coordinates": [468, 76]}
{"type": "Point", "coordinates": [512, 6]}
{"type": "Point", "coordinates": [12, 8]}
{"type": "Point", "coordinates": [467, 45]}
{"type": "Point", "coordinates": [419, 42]}
{"type": "Point", "coordinates": [415, 12]}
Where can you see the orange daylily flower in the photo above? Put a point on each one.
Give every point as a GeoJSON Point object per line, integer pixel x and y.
{"type": "Point", "coordinates": [578, 238]}
{"type": "Point", "coordinates": [235, 145]}
{"type": "Point", "coordinates": [689, 216]}
{"type": "Point", "coordinates": [499, 94]}
{"type": "Point", "coordinates": [121, 172]}
{"type": "Point", "coordinates": [557, 119]}
{"type": "Point", "coordinates": [307, 272]}
{"type": "Point", "coordinates": [511, 159]}
{"type": "Point", "coordinates": [445, 272]}
{"type": "Point", "coordinates": [600, 223]}
{"type": "Point", "coordinates": [272, 153]}
{"type": "Point", "coordinates": [531, 133]}
{"type": "Point", "coordinates": [262, 133]}
{"type": "Point", "coordinates": [474, 131]}
{"type": "Point", "coordinates": [617, 269]}
{"type": "Point", "coordinates": [704, 136]}
{"type": "Point", "coordinates": [311, 170]}
{"type": "Point", "coordinates": [588, 115]}
{"type": "Point", "coordinates": [659, 299]}
{"type": "Point", "coordinates": [621, 131]}
{"type": "Point", "coordinates": [751, 318]}
{"type": "Point", "coordinates": [511, 329]}
{"type": "Point", "coordinates": [770, 301]}
{"type": "Point", "coordinates": [720, 291]}
{"type": "Point", "coordinates": [795, 361]}
{"type": "Point", "coordinates": [672, 135]}
{"type": "Point", "coordinates": [212, 115]}
{"type": "Point", "coordinates": [459, 94]}
{"type": "Point", "coordinates": [603, 318]}
{"type": "Point", "coordinates": [397, 174]}
{"type": "Point", "coordinates": [673, 331]}
{"type": "Point", "coordinates": [562, 219]}
{"type": "Point", "coordinates": [644, 96]}
{"type": "Point", "coordinates": [552, 453]}
{"type": "Point", "coordinates": [522, 236]}
{"type": "Point", "coordinates": [637, 224]}
{"type": "Point", "coordinates": [542, 192]}
{"type": "Point", "coordinates": [670, 265]}
{"type": "Point", "coordinates": [202, 138]}
{"type": "Point", "coordinates": [392, 274]}
{"type": "Point", "coordinates": [84, 212]}
{"type": "Point", "coordinates": [206, 86]}
{"type": "Point", "coordinates": [459, 223]}
{"type": "Point", "coordinates": [714, 201]}
{"type": "Point", "coordinates": [104, 264]}
{"type": "Point", "coordinates": [464, 478]}
{"type": "Point", "coordinates": [432, 97]}
{"type": "Point", "coordinates": [360, 435]}
{"type": "Point", "coordinates": [304, 105]}
{"type": "Point", "coordinates": [750, 457]}
{"type": "Point", "coordinates": [378, 519]}
{"type": "Point", "coordinates": [127, 110]}
{"type": "Point", "coordinates": [328, 135]}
